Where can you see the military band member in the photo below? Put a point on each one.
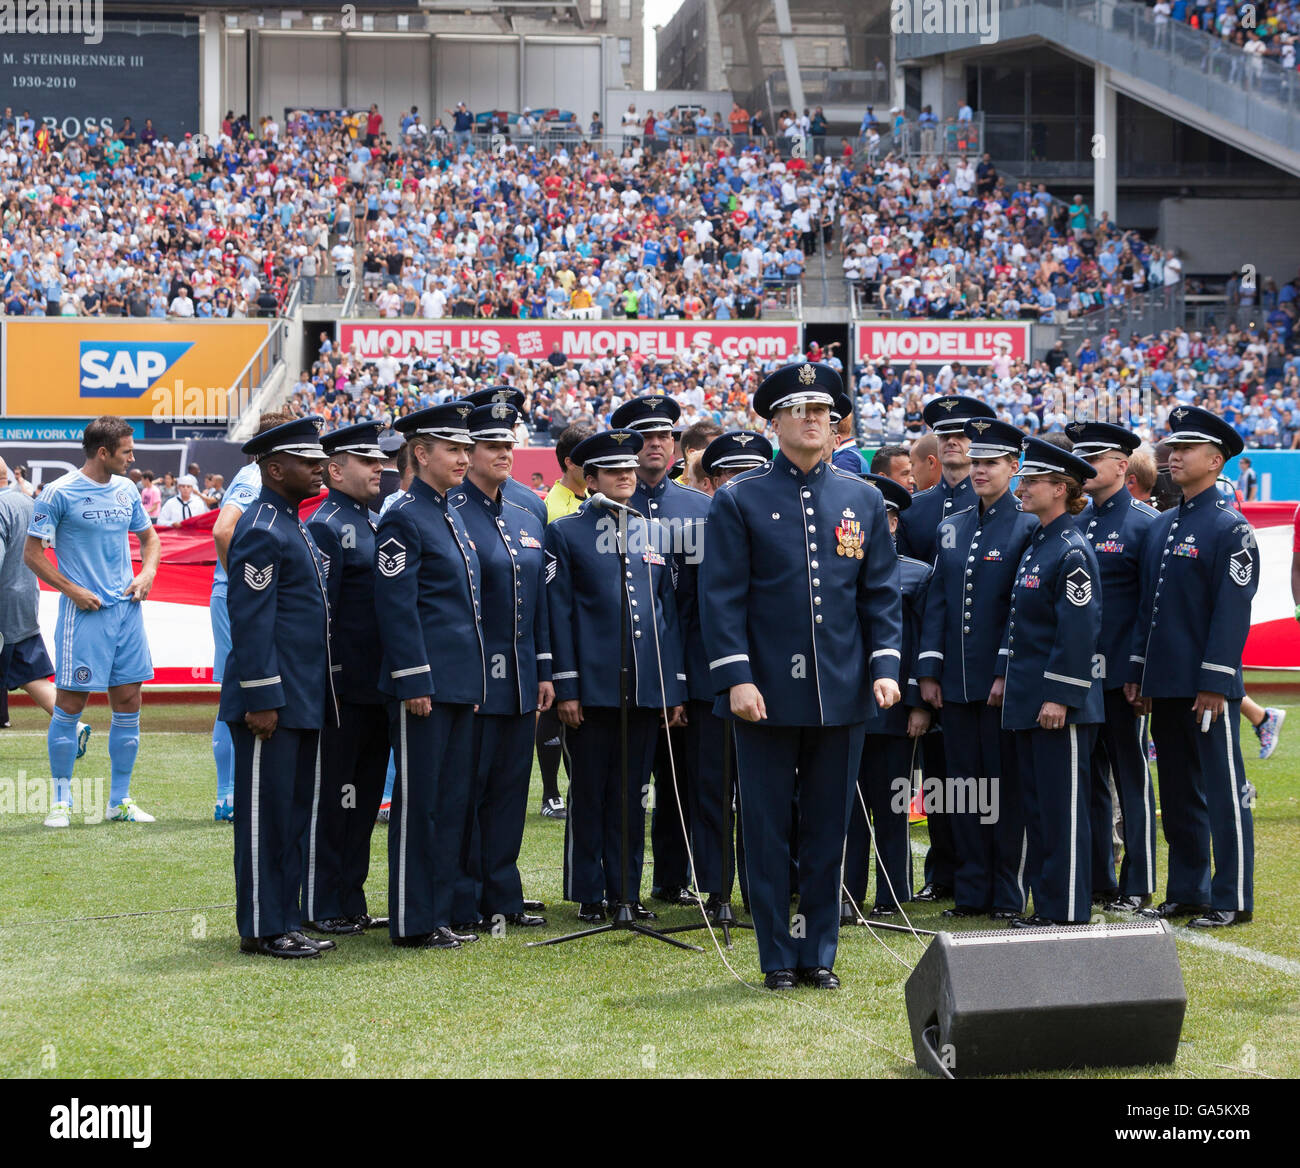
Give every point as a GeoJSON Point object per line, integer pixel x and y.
{"type": "Point", "coordinates": [1200, 570]}
{"type": "Point", "coordinates": [433, 671]}
{"type": "Point", "coordinates": [1116, 526]}
{"type": "Point", "coordinates": [512, 488]}
{"type": "Point", "coordinates": [917, 537]}
{"type": "Point", "coordinates": [799, 678]}
{"type": "Point", "coordinates": [510, 542]}
{"type": "Point", "coordinates": [965, 617]}
{"type": "Point", "coordinates": [892, 739]}
{"type": "Point", "coordinates": [681, 512]}
{"type": "Point", "coordinates": [726, 456]}
{"type": "Point", "coordinates": [353, 754]}
{"type": "Point", "coordinates": [1053, 699]}
{"type": "Point", "coordinates": [600, 566]}
{"type": "Point", "coordinates": [277, 691]}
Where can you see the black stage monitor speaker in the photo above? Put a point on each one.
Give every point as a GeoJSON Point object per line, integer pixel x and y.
{"type": "Point", "coordinates": [1001, 1002]}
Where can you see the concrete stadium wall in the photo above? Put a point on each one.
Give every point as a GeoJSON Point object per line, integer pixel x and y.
{"type": "Point", "coordinates": [1221, 235]}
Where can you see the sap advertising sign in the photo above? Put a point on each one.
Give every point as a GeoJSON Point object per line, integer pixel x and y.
{"type": "Point", "coordinates": [79, 87]}
{"type": "Point", "coordinates": [167, 371]}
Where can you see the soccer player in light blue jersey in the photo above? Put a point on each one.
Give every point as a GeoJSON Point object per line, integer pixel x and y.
{"type": "Point", "coordinates": [100, 642]}
{"type": "Point", "coordinates": [243, 489]}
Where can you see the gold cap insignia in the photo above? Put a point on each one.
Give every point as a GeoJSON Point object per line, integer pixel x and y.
{"type": "Point", "coordinates": [619, 436]}
{"type": "Point", "coordinates": [981, 426]}
{"type": "Point", "coordinates": [464, 411]}
{"type": "Point", "coordinates": [948, 404]}
{"type": "Point", "coordinates": [807, 374]}
{"type": "Point", "coordinates": [743, 440]}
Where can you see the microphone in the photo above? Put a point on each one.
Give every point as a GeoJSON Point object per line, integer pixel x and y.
{"type": "Point", "coordinates": [596, 499]}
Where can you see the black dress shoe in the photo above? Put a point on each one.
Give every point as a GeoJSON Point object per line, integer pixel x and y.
{"type": "Point", "coordinates": [465, 938]}
{"type": "Point", "coordinates": [780, 979]}
{"type": "Point", "coordinates": [534, 906]}
{"type": "Point", "coordinates": [1103, 898]}
{"type": "Point", "coordinates": [1031, 922]}
{"type": "Point", "coordinates": [336, 926]}
{"type": "Point", "coordinates": [442, 938]}
{"type": "Point", "coordinates": [934, 892]}
{"type": "Point", "coordinates": [958, 912]}
{"type": "Point", "coordinates": [286, 945]}
{"type": "Point", "coordinates": [320, 945]}
{"type": "Point", "coordinates": [1169, 909]}
{"type": "Point", "coordinates": [1003, 914]}
{"type": "Point", "coordinates": [523, 920]}
{"type": "Point", "coordinates": [673, 895]}
{"type": "Point", "coordinates": [1221, 918]}
{"type": "Point", "coordinates": [593, 913]}
{"type": "Point", "coordinates": [882, 912]}
{"type": "Point", "coordinates": [847, 915]}
{"type": "Point", "coordinates": [820, 978]}
{"type": "Point", "coordinates": [469, 926]}
{"type": "Point", "coordinates": [642, 913]}
{"type": "Point", "coordinates": [366, 921]}
{"type": "Point", "coordinates": [1128, 904]}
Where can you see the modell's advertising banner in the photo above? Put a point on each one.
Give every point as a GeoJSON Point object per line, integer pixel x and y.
{"type": "Point", "coordinates": [169, 371]}
{"type": "Point", "coordinates": [536, 340]}
{"type": "Point", "coordinates": [940, 342]}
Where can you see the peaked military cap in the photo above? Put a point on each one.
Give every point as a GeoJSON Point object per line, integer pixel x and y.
{"type": "Point", "coordinates": [1042, 458]}
{"type": "Point", "coordinates": [1192, 424]}
{"type": "Point", "coordinates": [990, 438]}
{"type": "Point", "coordinates": [806, 383]}
{"type": "Point", "coordinates": [300, 437]}
{"type": "Point", "coordinates": [736, 450]}
{"type": "Point", "coordinates": [650, 413]}
{"type": "Point", "coordinates": [952, 411]}
{"type": "Point", "coordinates": [491, 394]}
{"type": "Point", "coordinates": [361, 440]}
{"type": "Point", "coordinates": [897, 496]}
{"type": "Point", "coordinates": [609, 450]}
{"type": "Point", "coordinates": [449, 421]}
{"type": "Point", "coordinates": [494, 423]}
{"type": "Point", "coordinates": [1093, 438]}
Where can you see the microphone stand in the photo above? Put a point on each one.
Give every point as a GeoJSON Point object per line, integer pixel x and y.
{"type": "Point", "coordinates": [624, 919]}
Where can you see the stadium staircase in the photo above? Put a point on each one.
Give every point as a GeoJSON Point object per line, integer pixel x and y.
{"type": "Point", "coordinates": [1190, 74]}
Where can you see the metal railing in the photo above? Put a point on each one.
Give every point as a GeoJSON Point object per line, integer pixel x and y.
{"type": "Point", "coordinates": [911, 139]}
{"type": "Point", "coordinates": [254, 375]}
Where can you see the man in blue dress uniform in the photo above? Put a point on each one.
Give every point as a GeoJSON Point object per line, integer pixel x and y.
{"type": "Point", "coordinates": [802, 624]}
{"type": "Point", "coordinates": [892, 739]}
{"type": "Point", "coordinates": [434, 674]}
{"type": "Point", "coordinates": [958, 664]}
{"type": "Point", "coordinates": [681, 512]}
{"type": "Point", "coordinates": [1116, 525]}
{"type": "Point", "coordinates": [353, 754]}
{"type": "Point", "coordinates": [512, 488]}
{"type": "Point", "coordinates": [918, 538]}
{"type": "Point", "coordinates": [1200, 570]}
{"type": "Point", "coordinates": [510, 542]}
{"type": "Point", "coordinates": [277, 692]}
{"type": "Point", "coordinates": [708, 755]}
{"type": "Point", "coordinates": [1053, 698]}
{"type": "Point", "coordinates": [600, 563]}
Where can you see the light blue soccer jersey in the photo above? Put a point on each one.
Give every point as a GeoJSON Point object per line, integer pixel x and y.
{"type": "Point", "coordinates": [87, 522]}
{"type": "Point", "coordinates": [243, 489]}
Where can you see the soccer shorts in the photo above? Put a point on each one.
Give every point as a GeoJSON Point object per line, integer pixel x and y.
{"type": "Point", "coordinates": [100, 649]}
{"type": "Point", "coordinates": [24, 661]}
{"type": "Point", "coordinates": [219, 615]}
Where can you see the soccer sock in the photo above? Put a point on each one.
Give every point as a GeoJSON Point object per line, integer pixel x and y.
{"type": "Point", "coordinates": [548, 758]}
{"type": "Point", "coordinates": [392, 775]}
{"type": "Point", "coordinates": [123, 746]}
{"type": "Point", "coordinates": [61, 739]}
{"type": "Point", "coordinates": [223, 751]}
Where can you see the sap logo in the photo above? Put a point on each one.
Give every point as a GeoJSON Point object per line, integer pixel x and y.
{"type": "Point", "coordinates": [126, 368]}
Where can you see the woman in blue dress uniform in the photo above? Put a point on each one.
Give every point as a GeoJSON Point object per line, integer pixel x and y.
{"type": "Point", "coordinates": [961, 642]}
{"type": "Point", "coordinates": [1053, 697]}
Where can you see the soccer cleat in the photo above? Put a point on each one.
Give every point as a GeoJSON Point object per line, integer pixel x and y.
{"type": "Point", "coordinates": [1268, 730]}
{"type": "Point", "coordinates": [224, 812]}
{"type": "Point", "coordinates": [60, 815]}
{"type": "Point", "coordinates": [129, 812]}
{"type": "Point", "coordinates": [83, 738]}
{"type": "Point", "coordinates": [554, 809]}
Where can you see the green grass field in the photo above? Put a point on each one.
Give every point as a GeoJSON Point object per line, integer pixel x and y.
{"type": "Point", "coordinates": [118, 957]}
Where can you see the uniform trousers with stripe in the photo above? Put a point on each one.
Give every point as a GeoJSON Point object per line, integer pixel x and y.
{"type": "Point", "coordinates": [274, 781]}
{"type": "Point", "coordinates": [1205, 799]}
{"type": "Point", "coordinates": [820, 763]}
{"type": "Point", "coordinates": [885, 786]}
{"type": "Point", "coordinates": [489, 881]}
{"type": "Point", "coordinates": [593, 831]}
{"type": "Point", "coordinates": [709, 788]}
{"type": "Point", "coordinates": [345, 802]}
{"type": "Point", "coordinates": [667, 841]}
{"type": "Point", "coordinates": [1120, 757]}
{"type": "Point", "coordinates": [981, 802]}
{"type": "Point", "coordinates": [1055, 771]}
{"type": "Point", "coordinates": [427, 816]}
{"type": "Point", "coordinates": [941, 857]}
